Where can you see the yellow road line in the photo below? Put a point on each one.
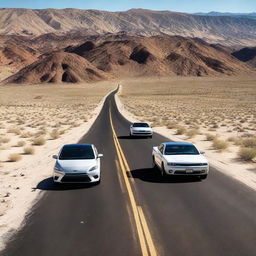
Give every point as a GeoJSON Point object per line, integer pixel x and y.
{"type": "Point", "coordinates": [146, 242]}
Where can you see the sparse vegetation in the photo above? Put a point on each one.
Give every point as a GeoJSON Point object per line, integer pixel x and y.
{"type": "Point", "coordinates": [39, 141]}
{"type": "Point", "coordinates": [14, 157]}
{"type": "Point", "coordinates": [21, 143]}
{"type": "Point", "coordinates": [210, 136]}
{"type": "Point", "coordinates": [29, 150]}
{"type": "Point", "coordinates": [247, 154]}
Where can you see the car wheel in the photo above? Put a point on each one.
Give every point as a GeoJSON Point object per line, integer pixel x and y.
{"type": "Point", "coordinates": [150, 136]}
{"type": "Point", "coordinates": [203, 177]}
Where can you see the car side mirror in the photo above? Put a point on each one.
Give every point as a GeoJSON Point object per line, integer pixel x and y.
{"type": "Point", "coordinates": [202, 152]}
{"type": "Point", "coordinates": [100, 155]}
{"type": "Point", "coordinates": [55, 157]}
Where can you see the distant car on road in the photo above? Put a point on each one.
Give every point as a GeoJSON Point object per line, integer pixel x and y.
{"type": "Point", "coordinates": [178, 158]}
{"type": "Point", "coordinates": [141, 129]}
{"type": "Point", "coordinates": [77, 163]}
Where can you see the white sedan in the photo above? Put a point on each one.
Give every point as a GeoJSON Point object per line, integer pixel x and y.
{"type": "Point", "coordinates": [180, 158]}
{"type": "Point", "coordinates": [77, 163]}
{"type": "Point", "coordinates": [141, 129]}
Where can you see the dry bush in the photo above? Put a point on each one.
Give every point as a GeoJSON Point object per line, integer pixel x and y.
{"type": "Point", "coordinates": [39, 141]}
{"type": "Point", "coordinates": [220, 145]}
{"type": "Point", "coordinates": [4, 140]}
{"type": "Point", "coordinates": [14, 157]}
{"type": "Point", "coordinates": [25, 134]}
{"type": "Point", "coordinates": [210, 137]}
{"type": "Point", "coordinates": [171, 125]}
{"type": "Point", "coordinates": [29, 150]}
{"type": "Point", "coordinates": [192, 133]}
{"type": "Point", "coordinates": [249, 142]}
{"type": "Point", "coordinates": [247, 154]}
{"type": "Point", "coordinates": [20, 143]}
{"type": "Point", "coordinates": [55, 134]}
{"type": "Point", "coordinates": [232, 139]}
{"type": "Point", "coordinates": [181, 130]}
{"type": "Point", "coordinates": [14, 130]}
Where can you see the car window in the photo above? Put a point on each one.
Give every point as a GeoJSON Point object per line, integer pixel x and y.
{"type": "Point", "coordinates": [161, 148]}
{"type": "Point", "coordinates": [140, 125]}
{"type": "Point", "coordinates": [181, 150]}
{"type": "Point", "coordinates": [77, 152]}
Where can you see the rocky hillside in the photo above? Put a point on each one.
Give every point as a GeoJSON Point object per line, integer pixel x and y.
{"type": "Point", "coordinates": [214, 29]}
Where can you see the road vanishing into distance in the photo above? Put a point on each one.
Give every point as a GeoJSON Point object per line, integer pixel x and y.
{"type": "Point", "coordinates": [136, 212]}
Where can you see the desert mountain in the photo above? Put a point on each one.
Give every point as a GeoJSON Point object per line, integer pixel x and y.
{"type": "Point", "coordinates": [159, 55]}
{"type": "Point", "coordinates": [17, 56]}
{"type": "Point", "coordinates": [56, 68]}
{"type": "Point", "coordinates": [214, 29]}
{"type": "Point", "coordinates": [247, 55]}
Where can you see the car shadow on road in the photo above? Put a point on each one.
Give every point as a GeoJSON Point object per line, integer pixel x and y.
{"type": "Point", "coordinates": [132, 137]}
{"type": "Point", "coordinates": [154, 176]}
{"type": "Point", "coordinates": [49, 185]}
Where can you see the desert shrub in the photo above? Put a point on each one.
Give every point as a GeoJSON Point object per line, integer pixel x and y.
{"type": "Point", "coordinates": [14, 157]}
{"type": "Point", "coordinates": [55, 134]}
{"type": "Point", "coordinates": [39, 141]}
{"type": "Point", "coordinates": [4, 140]}
{"type": "Point", "coordinates": [219, 145]}
{"type": "Point", "coordinates": [232, 139]}
{"type": "Point", "coordinates": [192, 133]}
{"type": "Point", "coordinates": [247, 154]}
{"type": "Point", "coordinates": [25, 134]}
{"type": "Point", "coordinates": [181, 130]}
{"type": "Point", "coordinates": [171, 125]}
{"type": "Point", "coordinates": [210, 137]}
{"type": "Point", "coordinates": [249, 142]}
{"type": "Point", "coordinates": [21, 143]}
{"type": "Point", "coordinates": [29, 150]}
{"type": "Point", "coordinates": [14, 130]}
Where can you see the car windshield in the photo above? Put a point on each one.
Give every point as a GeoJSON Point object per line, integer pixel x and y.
{"type": "Point", "coordinates": [181, 150]}
{"type": "Point", "coordinates": [140, 125]}
{"type": "Point", "coordinates": [77, 152]}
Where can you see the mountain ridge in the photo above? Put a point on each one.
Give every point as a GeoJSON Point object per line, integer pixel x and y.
{"type": "Point", "coordinates": [140, 22]}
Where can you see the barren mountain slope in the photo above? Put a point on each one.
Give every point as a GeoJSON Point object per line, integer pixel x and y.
{"type": "Point", "coordinates": [56, 68]}
{"type": "Point", "coordinates": [225, 30]}
{"type": "Point", "coordinates": [159, 55]}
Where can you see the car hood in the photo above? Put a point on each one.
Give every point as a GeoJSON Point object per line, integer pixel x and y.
{"type": "Point", "coordinates": [141, 128]}
{"type": "Point", "coordinates": [185, 159]}
{"type": "Point", "coordinates": [75, 165]}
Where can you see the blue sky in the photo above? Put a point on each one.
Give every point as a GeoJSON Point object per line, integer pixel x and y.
{"type": "Point", "coordinates": [121, 5]}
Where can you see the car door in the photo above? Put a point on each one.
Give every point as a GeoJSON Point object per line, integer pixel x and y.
{"type": "Point", "coordinates": [159, 155]}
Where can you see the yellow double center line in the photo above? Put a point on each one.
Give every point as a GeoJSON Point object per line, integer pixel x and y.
{"type": "Point", "coordinates": [145, 238]}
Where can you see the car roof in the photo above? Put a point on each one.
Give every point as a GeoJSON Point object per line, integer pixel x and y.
{"type": "Point", "coordinates": [173, 143]}
{"type": "Point", "coordinates": [79, 145]}
{"type": "Point", "coordinates": [140, 123]}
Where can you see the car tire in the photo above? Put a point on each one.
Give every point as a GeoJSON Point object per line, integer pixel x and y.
{"type": "Point", "coordinates": [203, 177]}
{"type": "Point", "coordinates": [150, 136]}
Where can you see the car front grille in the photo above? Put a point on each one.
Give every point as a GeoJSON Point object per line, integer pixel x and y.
{"type": "Point", "coordinates": [185, 173]}
{"type": "Point", "coordinates": [76, 177]}
{"type": "Point", "coordinates": [195, 164]}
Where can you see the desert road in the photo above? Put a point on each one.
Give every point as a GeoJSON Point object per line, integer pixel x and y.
{"type": "Point", "coordinates": [134, 211]}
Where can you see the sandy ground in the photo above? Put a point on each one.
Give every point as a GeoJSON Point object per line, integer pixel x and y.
{"type": "Point", "coordinates": [225, 161]}
{"type": "Point", "coordinates": [19, 190]}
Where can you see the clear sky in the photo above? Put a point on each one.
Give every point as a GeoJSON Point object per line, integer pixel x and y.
{"type": "Point", "coordinates": [189, 6]}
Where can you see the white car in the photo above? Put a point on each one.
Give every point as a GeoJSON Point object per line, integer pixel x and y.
{"type": "Point", "coordinates": [178, 158]}
{"type": "Point", "coordinates": [141, 129]}
{"type": "Point", "coordinates": [77, 163]}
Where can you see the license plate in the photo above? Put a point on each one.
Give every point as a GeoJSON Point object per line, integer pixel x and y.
{"type": "Point", "coordinates": [189, 170]}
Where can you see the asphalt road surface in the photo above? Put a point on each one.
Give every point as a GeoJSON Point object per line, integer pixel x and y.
{"type": "Point", "coordinates": [134, 211]}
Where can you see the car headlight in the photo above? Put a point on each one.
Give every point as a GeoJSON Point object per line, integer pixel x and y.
{"type": "Point", "coordinates": [58, 170]}
{"type": "Point", "coordinates": [93, 168]}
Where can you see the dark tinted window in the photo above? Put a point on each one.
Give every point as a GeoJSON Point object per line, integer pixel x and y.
{"type": "Point", "coordinates": [140, 125]}
{"type": "Point", "coordinates": [181, 150]}
{"type": "Point", "coordinates": [77, 152]}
